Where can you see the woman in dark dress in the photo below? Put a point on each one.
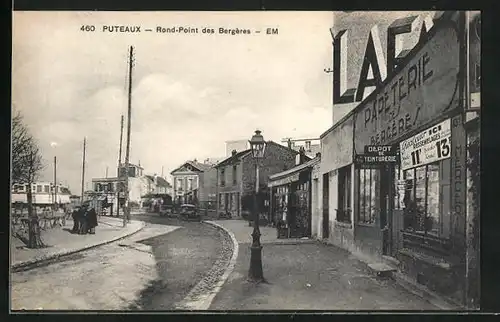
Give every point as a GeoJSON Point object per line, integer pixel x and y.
{"type": "Point", "coordinates": [91, 220]}
{"type": "Point", "coordinates": [83, 220]}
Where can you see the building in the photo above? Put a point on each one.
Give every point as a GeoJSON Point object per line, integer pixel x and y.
{"type": "Point", "coordinates": [109, 191]}
{"type": "Point", "coordinates": [392, 181]}
{"type": "Point", "coordinates": [42, 192]}
{"type": "Point", "coordinates": [238, 145]}
{"type": "Point", "coordinates": [158, 185]}
{"type": "Point", "coordinates": [291, 200]}
{"type": "Point", "coordinates": [236, 177]}
{"type": "Point", "coordinates": [194, 182]}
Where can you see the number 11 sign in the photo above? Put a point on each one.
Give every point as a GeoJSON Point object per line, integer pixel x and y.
{"type": "Point", "coordinates": [427, 146]}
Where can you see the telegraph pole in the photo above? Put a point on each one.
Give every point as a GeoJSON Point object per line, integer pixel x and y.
{"type": "Point", "coordinates": [83, 170]}
{"type": "Point", "coordinates": [55, 183]}
{"type": "Point", "coordinates": [126, 216]}
{"type": "Point", "coordinates": [120, 184]}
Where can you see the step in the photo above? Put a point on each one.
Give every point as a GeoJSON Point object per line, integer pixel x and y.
{"type": "Point", "coordinates": [381, 269]}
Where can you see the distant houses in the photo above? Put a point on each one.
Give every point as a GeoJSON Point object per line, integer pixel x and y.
{"type": "Point", "coordinates": [43, 192]}
{"type": "Point", "coordinates": [195, 182]}
{"type": "Point", "coordinates": [108, 193]}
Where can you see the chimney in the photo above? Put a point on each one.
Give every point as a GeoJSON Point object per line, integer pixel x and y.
{"type": "Point", "coordinates": [155, 178]}
{"type": "Point", "coordinates": [233, 153]}
{"type": "Point", "coordinates": [308, 146]}
{"type": "Point", "coordinates": [302, 155]}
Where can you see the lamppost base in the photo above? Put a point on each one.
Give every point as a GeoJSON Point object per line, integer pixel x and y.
{"type": "Point", "coordinates": [255, 273]}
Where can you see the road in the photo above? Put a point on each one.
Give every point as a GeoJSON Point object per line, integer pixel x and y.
{"type": "Point", "coordinates": [154, 269]}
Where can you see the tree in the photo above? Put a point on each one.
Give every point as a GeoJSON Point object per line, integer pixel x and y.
{"type": "Point", "coordinates": [26, 167]}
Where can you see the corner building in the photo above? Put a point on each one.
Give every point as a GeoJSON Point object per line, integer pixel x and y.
{"type": "Point", "coordinates": [412, 214]}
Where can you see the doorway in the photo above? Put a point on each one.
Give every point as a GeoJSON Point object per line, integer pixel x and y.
{"type": "Point", "coordinates": [326, 217]}
{"type": "Point", "coordinates": [386, 207]}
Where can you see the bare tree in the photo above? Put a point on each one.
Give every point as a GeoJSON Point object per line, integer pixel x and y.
{"type": "Point", "coordinates": [26, 166]}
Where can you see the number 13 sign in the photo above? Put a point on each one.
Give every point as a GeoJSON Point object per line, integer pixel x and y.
{"type": "Point", "coordinates": [427, 146]}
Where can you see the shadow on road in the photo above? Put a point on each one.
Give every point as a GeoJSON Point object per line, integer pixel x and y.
{"type": "Point", "coordinates": [154, 288]}
{"type": "Point", "coordinates": [183, 257]}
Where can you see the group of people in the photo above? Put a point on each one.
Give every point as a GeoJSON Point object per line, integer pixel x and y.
{"type": "Point", "coordinates": [84, 220]}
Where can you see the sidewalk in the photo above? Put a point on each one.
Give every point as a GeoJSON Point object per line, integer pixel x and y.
{"type": "Point", "coordinates": [243, 233]}
{"type": "Point", "coordinates": [308, 276]}
{"type": "Point", "coordinates": [61, 241]}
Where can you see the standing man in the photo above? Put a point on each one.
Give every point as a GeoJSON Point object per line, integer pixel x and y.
{"type": "Point", "coordinates": [76, 220]}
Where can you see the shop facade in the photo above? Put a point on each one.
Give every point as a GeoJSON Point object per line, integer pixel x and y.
{"type": "Point", "coordinates": [408, 209]}
{"type": "Point", "coordinates": [291, 200]}
{"type": "Point", "coordinates": [413, 210]}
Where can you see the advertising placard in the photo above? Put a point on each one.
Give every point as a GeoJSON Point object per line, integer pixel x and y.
{"type": "Point", "coordinates": [426, 147]}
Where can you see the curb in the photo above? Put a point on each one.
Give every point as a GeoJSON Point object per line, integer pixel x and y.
{"type": "Point", "coordinates": [44, 261]}
{"type": "Point", "coordinates": [204, 302]}
{"type": "Point", "coordinates": [421, 291]}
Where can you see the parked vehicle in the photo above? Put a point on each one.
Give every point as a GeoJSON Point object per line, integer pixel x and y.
{"type": "Point", "coordinates": [167, 211]}
{"type": "Point", "coordinates": [224, 215]}
{"type": "Point", "coordinates": [190, 212]}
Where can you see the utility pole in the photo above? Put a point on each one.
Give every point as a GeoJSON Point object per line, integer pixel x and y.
{"type": "Point", "coordinates": [106, 171]}
{"type": "Point", "coordinates": [55, 183]}
{"type": "Point", "coordinates": [162, 171]}
{"type": "Point", "coordinates": [126, 216]}
{"type": "Point", "coordinates": [83, 170]}
{"type": "Point", "coordinates": [120, 184]}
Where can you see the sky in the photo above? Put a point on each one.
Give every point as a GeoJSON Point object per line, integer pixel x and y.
{"type": "Point", "coordinates": [190, 92]}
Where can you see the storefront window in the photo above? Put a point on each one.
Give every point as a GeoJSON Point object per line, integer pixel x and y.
{"type": "Point", "coordinates": [344, 195]}
{"type": "Point", "coordinates": [368, 195]}
{"type": "Point", "coordinates": [426, 199]}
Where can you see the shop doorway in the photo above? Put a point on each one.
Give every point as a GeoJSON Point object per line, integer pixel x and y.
{"type": "Point", "coordinates": [386, 207]}
{"type": "Point", "coordinates": [326, 211]}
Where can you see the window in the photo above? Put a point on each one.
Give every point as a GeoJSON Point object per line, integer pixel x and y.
{"type": "Point", "coordinates": [38, 188]}
{"type": "Point", "coordinates": [369, 199]}
{"type": "Point", "coordinates": [46, 188]}
{"type": "Point", "coordinates": [190, 184]}
{"type": "Point", "coordinates": [179, 184]}
{"type": "Point", "coordinates": [222, 177]}
{"type": "Point", "coordinates": [234, 174]}
{"type": "Point", "coordinates": [426, 200]}
{"type": "Point", "coordinates": [33, 188]}
{"type": "Point", "coordinates": [344, 195]}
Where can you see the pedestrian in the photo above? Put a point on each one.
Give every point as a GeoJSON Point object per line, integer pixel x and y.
{"type": "Point", "coordinates": [83, 219]}
{"type": "Point", "coordinates": [91, 220]}
{"type": "Point", "coordinates": [76, 220]}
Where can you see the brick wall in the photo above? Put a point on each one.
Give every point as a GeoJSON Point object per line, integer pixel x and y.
{"type": "Point", "coordinates": [276, 159]}
{"type": "Point", "coordinates": [208, 182]}
{"type": "Point", "coordinates": [231, 185]}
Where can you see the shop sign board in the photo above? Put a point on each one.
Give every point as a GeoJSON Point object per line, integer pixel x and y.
{"type": "Point", "coordinates": [378, 154]}
{"type": "Point", "coordinates": [376, 159]}
{"type": "Point", "coordinates": [427, 146]}
{"type": "Point", "coordinates": [424, 88]}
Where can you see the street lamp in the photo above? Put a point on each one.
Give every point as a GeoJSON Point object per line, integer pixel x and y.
{"type": "Point", "coordinates": [258, 146]}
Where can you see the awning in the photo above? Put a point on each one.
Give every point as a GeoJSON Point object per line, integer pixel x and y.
{"type": "Point", "coordinates": [283, 181]}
